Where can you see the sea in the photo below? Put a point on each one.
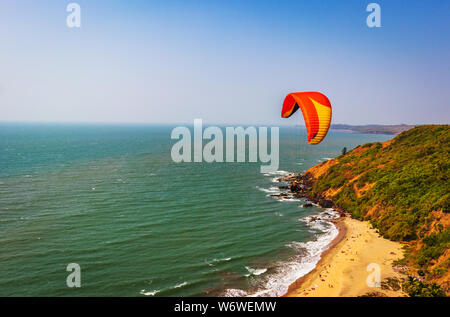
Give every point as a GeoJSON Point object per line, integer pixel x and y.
{"type": "Point", "coordinates": [110, 199]}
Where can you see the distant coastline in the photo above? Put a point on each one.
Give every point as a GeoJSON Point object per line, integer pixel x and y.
{"type": "Point", "coordinates": [372, 128]}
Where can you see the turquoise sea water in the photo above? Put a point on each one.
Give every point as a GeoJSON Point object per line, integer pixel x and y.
{"type": "Point", "coordinates": [110, 199]}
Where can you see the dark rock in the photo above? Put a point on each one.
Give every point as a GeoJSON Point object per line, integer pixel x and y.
{"type": "Point", "coordinates": [307, 205]}
{"type": "Point", "coordinates": [325, 203]}
{"type": "Point", "coordinates": [282, 195]}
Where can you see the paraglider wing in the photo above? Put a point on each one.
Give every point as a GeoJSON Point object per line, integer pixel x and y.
{"type": "Point", "coordinates": [316, 109]}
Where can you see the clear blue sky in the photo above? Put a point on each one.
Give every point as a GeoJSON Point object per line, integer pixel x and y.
{"type": "Point", "coordinates": [223, 61]}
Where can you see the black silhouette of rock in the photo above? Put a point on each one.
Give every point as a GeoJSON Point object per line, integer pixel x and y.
{"type": "Point", "coordinates": [298, 195]}
{"type": "Point", "coordinates": [281, 195]}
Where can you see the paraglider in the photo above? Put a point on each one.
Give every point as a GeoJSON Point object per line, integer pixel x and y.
{"type": "Point", "coordinates": [316, 109]}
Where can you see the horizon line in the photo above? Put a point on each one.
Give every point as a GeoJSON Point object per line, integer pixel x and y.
{"type": "Point", "coordinates": [190, 123]}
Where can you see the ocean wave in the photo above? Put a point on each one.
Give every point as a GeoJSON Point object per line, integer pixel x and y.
{"type": "Point", "coordinates": [221, 260]}
{"type": "Point", "coordinates": [215, 261]}
{"type": "Point", "coordinates": [270, 190]}
{"type": "Point", "coordinates": [324, 217]}
{"type": "Point", "coordinates": [256, 272]}
{"type": "Point", "coordinates": [308, 255]}
{"type": "Point", "coordinates": [233, 292]}
{"type": "Point", "coordinates": [279, 172]}
{"type": "Point", "coordinates": [181, 285]}
{"type": "Point", "coordinates": [156, 291]}
{"type": "Point", "coordinates": [291, 199]}
{"type": "Point", "coordinates": [149, 293]}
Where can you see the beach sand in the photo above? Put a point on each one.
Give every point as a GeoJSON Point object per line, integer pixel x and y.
{"type": "Point", "coordinates": [342, 271]}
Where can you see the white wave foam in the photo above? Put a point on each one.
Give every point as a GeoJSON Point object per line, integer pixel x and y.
{"type": "Point", "coordinates": [150, 293]}
{"type": "Point", "coordinates": [255, 271]}
{"type": "Point", "coordinates": [323, 217]}
{"type": "Point", "coordinates": [214, 261]}
{"type": "Point", "coordinates": [308, 256]}
{"type": "Point", "coordinates": [180, 285]}
{"type": "Point", "coordinates": [232, 292]}
{"type": "Point", "coordinates": [279, 172]}
{"type": "Point", "coordinates": [289, 199]}
{"type": "Point", "coordinates": [221, 260]}
{"type": "Point", "coordinates": [308, 253]}
{"type": "Point", "coordinates": [270, 190]}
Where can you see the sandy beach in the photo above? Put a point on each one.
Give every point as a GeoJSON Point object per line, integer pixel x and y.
{"type": "Point", "coordinates": [342, 270]}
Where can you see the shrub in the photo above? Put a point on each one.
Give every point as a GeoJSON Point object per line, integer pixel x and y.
{"type": "Point", "coordinates": [415, 288]}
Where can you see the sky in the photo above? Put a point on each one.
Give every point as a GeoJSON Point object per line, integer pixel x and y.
{"type": "Point", "coordinates": [225, 62]}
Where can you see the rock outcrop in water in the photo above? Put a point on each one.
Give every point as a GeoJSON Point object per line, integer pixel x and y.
{"type": "Point", "coordinates": [306, 181]}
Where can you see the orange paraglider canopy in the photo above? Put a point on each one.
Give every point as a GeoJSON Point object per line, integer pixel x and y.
{"type": "Point", "coordinates": [316, 109]}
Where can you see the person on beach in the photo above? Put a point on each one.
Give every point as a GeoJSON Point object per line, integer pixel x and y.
{"type": "Point", "coordinates": [295, 187]}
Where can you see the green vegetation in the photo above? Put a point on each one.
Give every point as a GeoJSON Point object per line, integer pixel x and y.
{"type": "Point", "coordinates": [435, 245]}
{"type": "Point", "coordinates": [415, 288]}
{"type": "Point", "coordinates": [401, 188]}
{"type": "Point", "coordinates": [410, 179]}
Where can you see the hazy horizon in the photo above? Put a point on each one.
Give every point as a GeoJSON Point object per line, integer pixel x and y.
{"type": "Point", "coordinates": [287, 124]}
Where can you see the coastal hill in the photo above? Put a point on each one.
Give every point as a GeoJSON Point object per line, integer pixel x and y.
{"type": "Point", "coordinates": [373, 128]}
{"type": "Point", "coordinates": [402, 187]}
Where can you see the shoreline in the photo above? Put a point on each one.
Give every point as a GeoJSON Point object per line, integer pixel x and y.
{"type": "Point", "coordinates": [354, 259]}
{"type": "Point", "coordinates": [342, 230]}
{"type": "Point", "coordinates": [342, 268]}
